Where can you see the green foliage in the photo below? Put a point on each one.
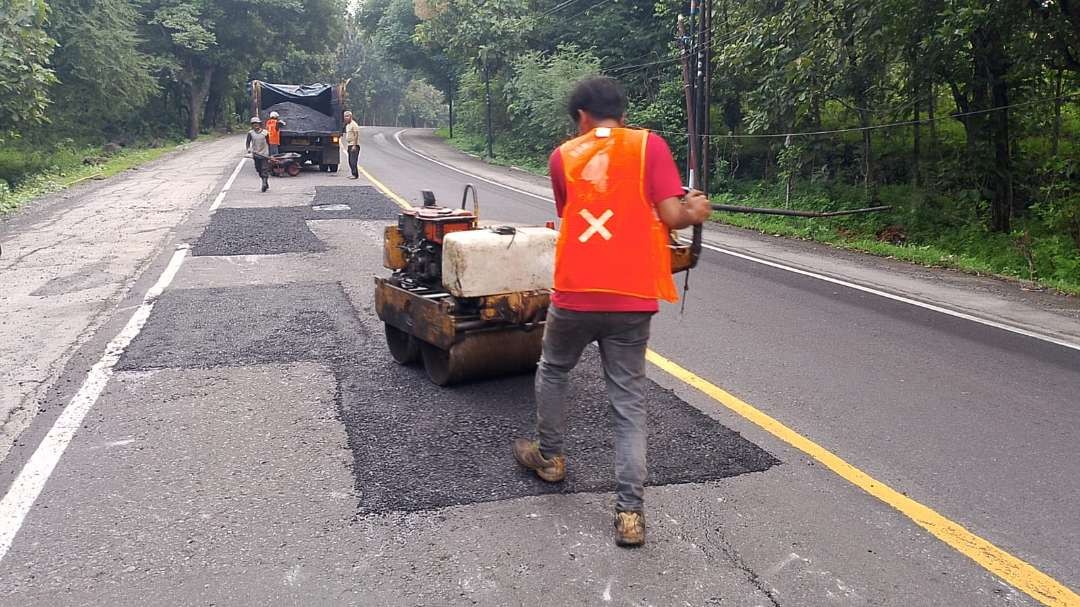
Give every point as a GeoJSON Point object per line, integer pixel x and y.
{"type": "Point", "coordinates": [422, 104]}
{"type": "Point", "coordinates": [134, 71]}
{"type": "Point", "coordinates": [104, 76]}
{"type": "Point", "coordinates": [942, 232]}
{"type": "Point", "coordinates": [381, 90]}
{"type": "Point", "coordinates": [538, 91]}
{"type": "Point", "coordinates": [484, 35]}
{"type": "Point", "coordinates": [1059, 204]}
{"type": "Point", "coordinates": [25, 77]}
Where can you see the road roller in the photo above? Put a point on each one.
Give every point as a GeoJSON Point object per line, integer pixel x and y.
{"type": "Point", "coordinates": [468, 302]}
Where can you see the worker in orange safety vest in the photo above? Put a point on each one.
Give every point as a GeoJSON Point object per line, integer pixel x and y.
{"type": "Point", "coordinates": [619, 194]}
{"type": "Point", "coordinates": [273, 131]}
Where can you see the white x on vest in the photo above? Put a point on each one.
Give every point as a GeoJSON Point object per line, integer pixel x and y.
{"type": "Point", "coordinates": [596, 226]}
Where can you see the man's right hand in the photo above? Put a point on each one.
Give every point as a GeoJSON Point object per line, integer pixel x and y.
{"type": "Point", "coordinates": [691, 210]}
{"type": "Point", "coordinates": [698, 207]}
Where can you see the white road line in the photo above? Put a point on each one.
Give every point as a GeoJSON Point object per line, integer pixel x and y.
{"type": "Point", "coordinates": [33, 476]}
{"type": "Point", "coordinates": [900, 298]}
{"type": "Point", "coordinates": [236, 171]}
{"type": "Point", "coordinates": [780, 266]}
{"type": "Point", "coordinates": [217, 201]}
{"type": "Point", "coordinates": [228, 185]}
{"type": "Point", "coordinates": [397, 137]}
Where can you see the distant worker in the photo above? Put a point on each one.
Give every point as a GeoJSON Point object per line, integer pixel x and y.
{"type": "Point", "coordinates": [619, 193]}
{"type": "Point", "coordinates": [258, 146]}
{"type": "Point", "coordinates": [352, 142]}
{"type": "Point", "coordinates": [273, 131]}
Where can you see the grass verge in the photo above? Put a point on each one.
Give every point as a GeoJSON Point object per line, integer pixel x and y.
{"type": "Point", "coordinates": [61, 177]}
{"type": "Point", "coordinates": [1047, 263]}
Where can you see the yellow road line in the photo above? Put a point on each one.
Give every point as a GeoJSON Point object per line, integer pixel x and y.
{"type": "Point", "coordinates": [385, 190]}
{"type": "Point", "coordinates": [1013, 570]}
{"type": "Point", "coordinates": [1018, 573]}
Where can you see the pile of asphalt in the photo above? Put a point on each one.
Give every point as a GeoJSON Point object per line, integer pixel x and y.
{"type": "Point", "coordinates": [364, 202]}
{"type": "Point", "coordinates": [300, 119]}
{"type": "Point", "coordinates": [258, 231]}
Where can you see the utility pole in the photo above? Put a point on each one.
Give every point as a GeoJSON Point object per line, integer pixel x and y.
{"type": "Point", "coordinates": [695, 40]}
{"type": "Point", "coordinates": [450, 86]}
{"type": "Point", "coordinates": [487, 98]}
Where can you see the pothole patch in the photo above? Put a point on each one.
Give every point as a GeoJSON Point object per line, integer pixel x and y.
{"type": "Point", "coordinates": [418, 447]}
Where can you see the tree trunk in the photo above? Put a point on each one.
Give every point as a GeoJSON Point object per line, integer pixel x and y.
{"type": "Point", "coordinates": [1002, 203]}
{"type": "Point", "coordinates": [1056, 136]}
{"type": "Point", "coordinates": [916, 151]}
{"type": "Point", "coordinates": [487, 97]}
{"type": "Point", "coordinates": [971, 123]}
{"type": "Point", "coordinates": [451, 97]}
{"type": "Point", "coordinates": [199, 90]}
{"type": "Point", "coordinates": [931, 116]}
{"type": "Point", "coordinates": [215, 104]}
{"type": "Point", "coordinates": [868, 167]}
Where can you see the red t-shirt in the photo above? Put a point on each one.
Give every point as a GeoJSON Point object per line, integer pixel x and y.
{"type": "Point", "coordinates": [661, 181]}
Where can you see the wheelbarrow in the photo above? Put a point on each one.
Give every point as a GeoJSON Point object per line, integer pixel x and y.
{"type": "Point", "coordinates": [285, 164]}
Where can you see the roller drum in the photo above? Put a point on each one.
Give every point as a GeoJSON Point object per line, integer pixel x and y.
{"type": "Point", "coordinates": [403, 347]}
{"type": "Point", "coordinates": [483, 354]}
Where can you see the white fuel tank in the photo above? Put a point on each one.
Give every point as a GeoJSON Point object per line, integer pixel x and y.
{"type": "Point", "coordinates": [492, 261]}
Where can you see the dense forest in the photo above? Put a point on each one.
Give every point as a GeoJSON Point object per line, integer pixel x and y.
{"type": "Point", "coordinates": [79, 74]}
{"type": "Point", "coordinates": [963, 115]}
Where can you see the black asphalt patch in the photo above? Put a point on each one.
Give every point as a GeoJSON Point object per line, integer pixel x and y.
{"type": "Point", "coordinates": [364, 202]}
{"type": "Point", "coordinates": [419, 447]}
{"type": "Point", "coordinates": [248, 326]}
{"type": "Point", "coordinates": [258, 231]}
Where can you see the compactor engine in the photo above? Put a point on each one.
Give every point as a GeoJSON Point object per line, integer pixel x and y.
{"type": "Point", "coordinates": [468, 301]}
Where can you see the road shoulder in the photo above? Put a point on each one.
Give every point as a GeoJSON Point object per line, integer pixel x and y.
{"type": "Point", "coordinates": [71, 258]}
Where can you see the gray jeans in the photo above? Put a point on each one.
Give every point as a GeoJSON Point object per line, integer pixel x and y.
{"type": "Point", "coordinates": [622, 337]}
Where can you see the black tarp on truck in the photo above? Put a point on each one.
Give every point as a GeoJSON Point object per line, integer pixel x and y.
{"type": "Point", "coordinates": [313, 118]}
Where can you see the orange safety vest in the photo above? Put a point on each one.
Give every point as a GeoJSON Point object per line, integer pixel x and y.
{"type": "Point", "coordinates": [273, 132]}
{"type": "Point", "coordinates": [611, 239]}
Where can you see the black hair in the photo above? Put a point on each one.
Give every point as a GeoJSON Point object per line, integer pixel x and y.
{"type": "Point", "coordinates": [602, 97]}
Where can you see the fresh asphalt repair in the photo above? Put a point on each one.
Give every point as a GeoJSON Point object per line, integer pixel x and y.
{"type": "Point", "coordinates": [415, 446]}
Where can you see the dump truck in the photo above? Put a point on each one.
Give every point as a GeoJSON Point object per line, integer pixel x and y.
{"type": "Point", "coordinates": [313, 115]}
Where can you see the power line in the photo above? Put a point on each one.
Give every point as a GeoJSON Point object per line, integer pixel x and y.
{"type": "Point", "coordinates": [588, 8]}
{"type": "Point", "coordinates": [630, 68]}
{"type": "Point", "coordinates": [558, 7]}
{"type": "Point", "coordinates": [875, 127]}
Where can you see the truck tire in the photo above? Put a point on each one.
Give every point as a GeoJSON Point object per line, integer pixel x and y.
{"type": "Point", "coordinates": [333, 168]}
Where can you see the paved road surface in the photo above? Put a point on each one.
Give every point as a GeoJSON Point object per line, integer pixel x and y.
{"type": "Point", "coordinates": [254, 445]}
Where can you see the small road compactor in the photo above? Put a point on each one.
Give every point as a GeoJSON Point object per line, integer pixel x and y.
{"type": "Point", "coordinates": [470, 302]}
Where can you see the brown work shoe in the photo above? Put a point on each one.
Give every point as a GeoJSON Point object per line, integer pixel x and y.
{"type": "Point", "coordinates": [527, 453]}
{"type": "Point", "coordinates": [629, 528]}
